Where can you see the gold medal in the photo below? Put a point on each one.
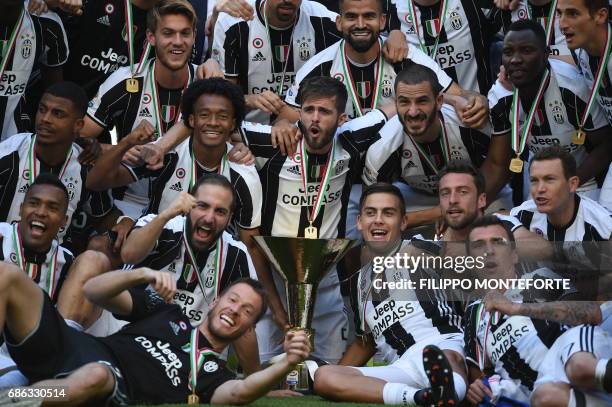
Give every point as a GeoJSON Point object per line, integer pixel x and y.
{"type": "Point", "coordinates": [311, 232]}
{"type": "Point", "coordinates": [193, 399]}
{"type": "Point", "coordinates": [131, 85]}
{"type": "Point", "coordinates": [516, 165]}
{"type": "Point", "coordinates": [578, 137]}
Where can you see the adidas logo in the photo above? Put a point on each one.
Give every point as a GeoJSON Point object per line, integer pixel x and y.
{"type": "Point", "coordinates": [23, 189]}
{"type": "Point", "coordinates": [177, 187]}
{"type": "Point", "coordinates": [145, 113]}
{"type": "Point", "coordinates": [258, 57]}
{"type": "Point", "coordinates": [175, 328]}
{"type": "Point", "coordinates": [294, 170]}
{"type": "Point", "coordinates": [104, 20]}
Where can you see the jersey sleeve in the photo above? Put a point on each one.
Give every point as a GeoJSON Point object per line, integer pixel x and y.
{"type": "Point", "coordinates": [110, 100]}
{"type": "Point", "coordinates": [145, 302]}
{"type": "Point", "coordinates": [361, 132]}
{"type": "Point", "coordinates": [142, 172]}
{"type": "Point", "coordinates": [382, 160]}
{"type": "Point", "coordinates": [227, 44]}
{"type": "Point", "coordinates": [500, 105]}
{"type": "Point", "coordinates": [101, 203]}
{"type": "Point", "coordinates": [249, 192]}
{"type": "Point", "coordinates": [510, 221]}
{"type": "Point", "coordinates": [56, 42]}
{"type": "Point", "coordinates": [208, 382]}
{"type": "Point", "coordinates": [258, 138]}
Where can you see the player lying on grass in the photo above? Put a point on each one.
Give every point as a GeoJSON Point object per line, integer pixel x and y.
{"type": "Point", "coordinates": [158, 358]}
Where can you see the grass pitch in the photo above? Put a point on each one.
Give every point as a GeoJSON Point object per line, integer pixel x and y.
{"type": "Point", "coordinates": [306, 401]}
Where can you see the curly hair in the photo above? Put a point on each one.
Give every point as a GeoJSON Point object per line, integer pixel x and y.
{"type": "Point", "coordinates": [213, 86]}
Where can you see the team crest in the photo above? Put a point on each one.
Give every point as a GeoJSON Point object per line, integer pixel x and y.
{"type": "Point", "coordinates": [281, 52]}
{"type": "Point", "coordinates": [557, 113]}
{"type": "Point", "coordinates": [25, 174]}
{"type": "Point", "coordinates": [168, 113]}
{"type": "Point", "coordinates": [455, 154]}
{"type": "Point", "coordinates": [433, 27]}
{"type": "Point", "coordinates": [304, 48]}
{"type": "Point", "coordinates": [364, 89]}
{"type": "Point", "coordinates": [406, 154]}
{"type": "Point", "coordinates": [180, 173]}
{"type": "Point", "coordinates": [258, 42]}
{"type": "Point", "coordinates": [211, 366]}
{"type": "Point", "coordinates": [339, 167]}
{"type": "Point", "coordinates": [26, 49]}
{"type": "Point", "coordinates": [387, 88]}
{"type": "Point", "coordinates": [297, 158]}
{"type": "Point", "coordinates": [455, 19]}
{"type": "Point", "coordinates": [210, 279]}
{"type": "Point", "coordinates": [522, 13]}
{"type": "Point", "coordinates": [146, 98]}
{"type": "Point", "coordinates": [109, 8]}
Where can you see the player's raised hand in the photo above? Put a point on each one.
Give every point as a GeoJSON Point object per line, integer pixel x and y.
{"type": "Point", "coordinates": [476, 112]}
{"type": "Point", "coordinates": [494, 301]}
{"type": "Point", "coordinates": [395, 48]}
{"type": "Point", "coordinates": [285, 136]}
{"type": "Point", "coordinates": [209, 69]}
{"type": "Point", "coordinates": [69, 6]}
{"type": "Point", "coordinates": [162, 282]}
{"type": "Point", "coordinates": [297, 346]}
{"type": "Point", "coordinates": [267, 101]}
{"type": "Point", "coordinates": [142, 134]}
{"type": "Point", "coordinates": [241, 154]}
{"type": "Point", "coordinates": [152, 155]}
{"type": "Point", "coordinates": [235, 8]}
{"type": "Point", "coordinates": [37, 7]}
{"type": "Point", "coordinates": [507, 4]}
{"type": "Point", "coordinates": [184, 203]}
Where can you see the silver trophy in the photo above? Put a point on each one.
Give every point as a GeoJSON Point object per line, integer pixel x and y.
{"type": "Point", "coordinates": [302, 263]}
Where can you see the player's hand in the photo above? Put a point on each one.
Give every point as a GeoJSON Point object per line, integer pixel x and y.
{"type": "Point", "coordinates": [235, 8]}
{"type": "Point", "coordinates": [132, 157]}
{"type": "Point", "coordinates": [69, 6]}
{"type": "Point", "coordinates": [297, 346]}
{"type": "Point", "coordinates": [266, 101]}
{"type": "Point", "coordinates": [91, 150]}
{"type": "Point", "coordinates": [507, 4]}
{"type": "Point", "coordinates": [143, 134]}
{"type": "Point", "coordinates": [209, 69]}
{"type": "Point", "coordinates": [241, 154]}
{"type": "Point", "coordinates": [37, 7]}
{"type": "Point", "coordinates": [477, 392]}
{"type": "Point", "coordinates": [162, 282]}
{"type": "Point", "coordinates": [496, 301]}
{"type": "Point", "coordinates": [122, 229]}
{"type": "Point", "coordinates": [475, 113]}
{"type": "Point", "coordinates": [503, 79]}
{"type": "Point", "coordinates": [395, 48]}
{"type": "Point", "coordinates": [285, 136]}
{"type": "Point", "coordinates": [184, 203]}
{"type": "Point", "coordinates": [152, 155]}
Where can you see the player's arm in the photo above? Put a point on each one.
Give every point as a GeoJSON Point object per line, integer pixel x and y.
{"type": "Point", "coordinates": [108, 171]}
{"type": "Point", "coordinates": [247, 351]}
{"type": "Point", "coordinates": [110, 290]}
{"type": "Point", "coordinates": [141, 241]}
{"type": "Point", "coordinates": [423, 217]}
{"type": "Point", "coordinates": [289, 113]}
{"type": "Point", "coordinates": [297, 348]}
{"type": "Point", "coordinates": [599, 144]}
{"type": "Point", "coordinates": [358, 352]}
{"type": "Point", "coordinates": [495, 166]}
{"type": "Point", "coordinates": [471, 107]}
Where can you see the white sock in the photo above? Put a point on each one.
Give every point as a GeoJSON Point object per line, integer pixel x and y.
{"type": "Point", "coordinates": [460, 386]}
{"type": "Point", "coordinates": [600, 373]}
{"type": "Point", "coordinates": [74, 325]}
{"type": "Point", "coordinates": [606, 316]}
{"type": "Point", "coordinates": [398, 393]}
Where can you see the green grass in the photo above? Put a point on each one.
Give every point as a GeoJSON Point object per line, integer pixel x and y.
{"type": "Point", "coordinates": [293, 401]}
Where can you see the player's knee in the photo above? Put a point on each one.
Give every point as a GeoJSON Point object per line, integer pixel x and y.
{"type": "Point", "coordinates": [327, 381]}
{"type": "Point", "coordinates": [95, 378]}
{"type": "Point", "coordinates": [580, 369]}
{"type": "Point", "coordinates": [90, 264]}
{"type": "Point", "coordinates": [549, 395]}
{"type": "Point", "coordinates": [99, 243]}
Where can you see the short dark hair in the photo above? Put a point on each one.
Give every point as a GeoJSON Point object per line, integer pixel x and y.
{"type": "Point", "coordinates": [323, 87]}
{"type": "Point", "coordinates": [490, 220]}
{"type": "Point", "coordinates": [257, 287]}
{"type": "Point", "coordinates": [382, 188]}
{"type": "Point", "coordinates": [341, 3]}
{"type": "Point", "coordinates": [534, 27]}
{"type": "Point", "coordinates": [170, 7]}
{"type": "Point", "coordinates": [596, 5]}
{"type": "Point", "coordinates": [47, 178]}
{"type": "Point", "coordinates": [568, 162]}
{"type": "Point", "coordinates": [216, 179]}
{"type": "Point", "coordinates": [414, 73]}
{"type": "Point", "coordinates": [213, 86]}
{"type": "Point", "coordinates": [464, 167]}
{"type": "Point", "coordinates": [72, 92]}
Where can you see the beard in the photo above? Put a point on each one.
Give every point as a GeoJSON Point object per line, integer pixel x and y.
{"type": "Point", "coordinates": [361, 45]}
{"type": "Point", "coordinates": [429, 120]}
{"type": "Point", "coordinates": [462, 223]}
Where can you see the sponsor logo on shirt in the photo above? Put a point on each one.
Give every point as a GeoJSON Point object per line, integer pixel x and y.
{"type": "Point", "coordinates": [176, 187]}
{"type": "Point", "coordinates": [449, 56]}
{"type": "Point", "coordinates": [168, 359]}
{"type": "Point", "coordinates": [108, 61]}
{"type": "Point", "coordinates": [388, 313]}
{"type": "Point", "coordinates": [104, 20]}
{"type": "Point", "coordinates": [145, 113]}
{"type": "Point", "coordinates": [259, 57]}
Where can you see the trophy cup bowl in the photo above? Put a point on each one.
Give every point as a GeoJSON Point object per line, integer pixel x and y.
{"type": "Point", "coordinates": [302, 263]}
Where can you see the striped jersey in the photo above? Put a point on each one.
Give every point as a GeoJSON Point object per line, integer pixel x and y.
{"type": "Point", "coordinates": [195, 293]}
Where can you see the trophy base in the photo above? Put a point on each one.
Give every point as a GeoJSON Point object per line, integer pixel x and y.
{"type": "Point", "coordinates": [299, 379]}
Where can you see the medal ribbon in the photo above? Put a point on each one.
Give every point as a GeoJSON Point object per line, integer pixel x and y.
{"type": "Point", "coordinates": [318, 203]}
{"type": "Point", "coordinates": [196, 358]}
{"type": "Point", "coordinates": [11, 42]}
{"type": "Point", "coordinates": [350, 85]}
{"type": "Point", "coordinates": [32, 162]}
{"type": "Point", "coordinates": [549, 20]}
{"type": "Point", "coordinates": [444, 145]}
{"type": "Point", "coordinates": [217, 266]}
{"type": "Point", "coordinates": [30, 268]}
{"type": "Point", "coordinates": [415, 23]}
{"type": "Point", "coordinates": [194, 167]}
{"type": "Point", "coordinates": [519, 138]}
{"type": "Point", "coordinates": [601, 71]}
{"type": "Point", "coordinates": [129, 29]}
{"type": "Point", "coordinates": [481, 313]}
{"type": "Point", "coordinates": [279, 89]}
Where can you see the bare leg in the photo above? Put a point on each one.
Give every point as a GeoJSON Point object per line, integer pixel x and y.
{"type": "Point", "coordinates": [90, 383]}
{"type": "Point", "coordinates": [344, 383]}
{"type": "Point", "coordinates": [71, 302]}
{"type": "Point", "coordinates": [551, 395]}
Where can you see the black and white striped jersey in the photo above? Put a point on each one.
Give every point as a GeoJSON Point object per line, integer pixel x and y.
{"type": "Point", "coordinates": [462, 41]}
{"type": "Point", "coordinates": [262, 60]}
{"type": "Point", "coordinates": [397, 319]}
{"type": "Point", "coordinates": [170, 255]}
{"type": "Point", "coordinates": [175, 176]}
{"type": "Point", "coordinates": [512, 347]}
{"type": "Point", "coordinates": [41, 41]}
{"type": "Point", "coordinates": [98, 41]}
{"type": "Point", "coordinates": [47, 270]}
{"type": "Point", "coordinates": [396, 156]}
{"type": "Point", "coordinates": [329, 62]}
{"type": "Point", "coordinates": [15, 180]}
{"type": "Point", "coordinates": [286, 206]}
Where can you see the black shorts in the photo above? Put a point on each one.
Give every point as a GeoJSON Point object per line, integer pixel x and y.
{"type": "Point", "coordinates": [55, 349]}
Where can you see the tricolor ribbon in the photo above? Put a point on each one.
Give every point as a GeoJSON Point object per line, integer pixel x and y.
{"type": "Point", "coordinates": [217, 265]}
{"type": "Point", "coordinates": [350, 85]}
{"type": "Point", "coordinates": [493, 319]}
{"type": "Point", "coordinates": [196, 358]}
{"type": "Point", "coordinates": [444, 145]}
{"type": "Point", "coordinates": [33, 163]}
{"type": "Point", "coordinates": [415, 23]}
{"type": "Point", "coordinates": [318, 203]}
{"type": "Point", "coordinates": [129, 29]}
{"type": "Point", "coordinates": [193, 177]}
{"type": "Point", "coordinates": [549, 20]}
{"type": "Point", "coordinates": [519, 138]}
{"type": "Point", "coordinates": [11, 42]}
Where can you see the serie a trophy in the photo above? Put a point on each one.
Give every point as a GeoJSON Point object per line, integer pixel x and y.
{"type": "Point", "coordinates": [302, 263]}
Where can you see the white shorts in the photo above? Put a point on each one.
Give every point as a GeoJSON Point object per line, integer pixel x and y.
{"type": "Point", "coordinates": [106, 325]}
{"type": "Point", "coordinates": [408, 369]}
{"type": "Point", "coordinates": [329, 322]}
